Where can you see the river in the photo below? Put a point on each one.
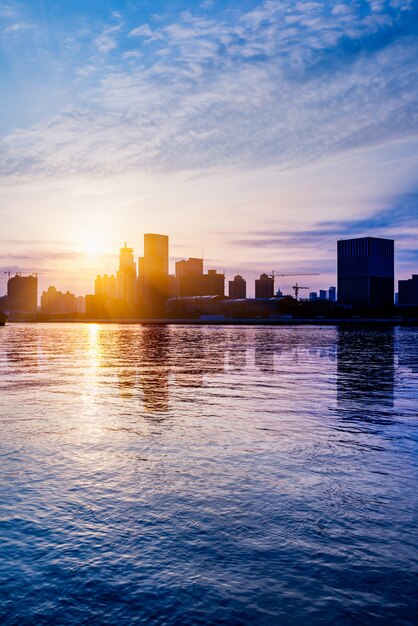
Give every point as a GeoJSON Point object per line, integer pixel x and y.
{"type": "Point", "coordinates": [208, 475]}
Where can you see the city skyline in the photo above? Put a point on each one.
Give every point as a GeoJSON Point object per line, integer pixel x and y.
{"type": "Point", "coordinates": [123, 283]}
{"type": "Point", "coordinates": [260, 131]}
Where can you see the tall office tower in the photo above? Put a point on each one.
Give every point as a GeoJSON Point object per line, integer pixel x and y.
{"type": "Point", "coordinates": [126, 277]}
{"type": "Point", "coordinates": [332, 294]}
{"type": "Point", "coordinates": [189, 277]}
{"type": "Point", "coordinates": [154, 281]}
{"type": "Point", "coordinates": [264, 286]}
{"type": "Point", "coordinates": [408, 291]}
{"type": "Point", "coordinates": [322, 294]}
{"type": "Point", "coordinates": [365, 270]}
{"type": "Point", "coordinates": [22, 294]}
{"type": "Point", "coordinates": [213, 283]}
{"type": "Point", "coordinates": [237, 288]}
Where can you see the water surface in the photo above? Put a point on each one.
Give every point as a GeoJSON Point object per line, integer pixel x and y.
{"type": "Point", "coordinates": [208, 475]}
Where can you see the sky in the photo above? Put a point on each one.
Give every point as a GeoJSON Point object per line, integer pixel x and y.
{"type": "Point", "coordinates": [256, 133]}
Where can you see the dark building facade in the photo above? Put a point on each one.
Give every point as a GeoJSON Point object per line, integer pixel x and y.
{"type": "Point", "coordinates": [264, 286]}
{"type": "Point", "coordinates": [189, 277]}
{"type": "Point", "coordinates": [22, 294]}
{"type": "Point", "coordinates": [365, 268]}
{"type": "Point", "coordinates": [237, 288]}
{"type": "Point", "coordinates": [213, 283]}
{"type": "Point", "coordinates": [153, 276]}
{"type": "Point", "coordinates": [408, 291]}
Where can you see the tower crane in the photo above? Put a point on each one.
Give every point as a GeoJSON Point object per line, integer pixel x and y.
{"type": "Point", "coordinates": [274, 274]}
{"type": "Point", "coordinates": [297, 287]}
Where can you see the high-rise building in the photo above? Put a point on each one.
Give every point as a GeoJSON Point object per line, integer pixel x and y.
{"type": "Point", "coordinates": [408, 291]}
{"type": "Point", "coordinates": [323, 294]}
{"type": "Point", "coordinates": [264, 286]}
{"type": "Point", "coordinates": [22, 294]}
{"type": "Point", "coordinates": [237, 288]}
{"type": "Point", "coordinates": [126, 283]}
{"type": "Point", "coordinates": [213, 283]}
{"type": "Point", "coordinates": [106, 286]}
{"type": "Point", "coordinates": [153, 278]}
{"type": "Point", "coordinates": [366, 272]}
{"type": "Point", "coordinates": [56, 302]}
{"type": "Point", "coordinates": [313, 296]}
{"type": "Point", "coordinates": [332, 294]}
{"type": "Point", "coordinates": [189, 277]}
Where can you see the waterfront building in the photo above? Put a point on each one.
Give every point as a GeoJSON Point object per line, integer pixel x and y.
{"type": "Point", "coordinates": [408, 291]}
{"type": "Point", "coordinates": [365, 268]}
{"type": "Point", "coordinates": [332, 295]}
{"type": "Point", "coordinates": [22, 294]}
{"type": "Point", "coordinates": [106, 286]}
{"type": "Point", "coordinates": [213, 283]}
{"type": "Point", "coordinates": [189, 277]}
{"type": "Point", "coordinates": [313, 296]}
{"type": "Point", "coordinates": [323, 294]}
{"type": "Point", "coordinates": [80, 304]}
{"type": "Point", "coordinates": [191, 281]}
{"type": "Point", "coordinates": [126, 283]}
{"type": "Point", "coordinates": [54, 302]}
{"type": "Point", "coordinates": [153, 275]}
{"type": "Point", "coordinates": [264, 286]}
{"type": "Point", "coordinates": [237, 288]}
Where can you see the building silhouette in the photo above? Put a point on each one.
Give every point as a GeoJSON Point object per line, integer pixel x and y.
{"type": "Point", "coordinates": [126, 283]}
{"type": "Point", "coordinates": [191, 281]}
{"type": "Point", "coordinates": [264, 286]}
{"type": "Point", "coordinates": [189, 277]}
{"type": "Point", "coordinates": [115, 296]}
{"type": "Point", "coordinates": [22, 294]}
{"type": "Point", "coordinates": [56, 302]}
{"type": "Point", "coordinates": [213, 283]}
{"type": "Point", "coordinates": [237, 288]}
{"type": "Point", "coordinates": [365, 269]}
{"type": "Point", "coordinates": [332, 295]}
{"type": "Point", "coordinates": [106, 286]}
{"type": "Point", "coordinates": [408, 291]}
{"type": "Point", "coordinates": [153, 276]}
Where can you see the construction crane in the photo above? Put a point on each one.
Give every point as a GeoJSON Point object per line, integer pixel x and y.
{"type": "Point", "coordinates": [274, 274]}
{"type": "Point", "coordinates": [297, 288]}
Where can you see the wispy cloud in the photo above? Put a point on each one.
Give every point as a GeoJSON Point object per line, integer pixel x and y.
{"type": "Point", "coordinates": [284, 83]}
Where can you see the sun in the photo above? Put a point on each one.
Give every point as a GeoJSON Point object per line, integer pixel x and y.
{"type": "Point", "coordinates": [92, 244]}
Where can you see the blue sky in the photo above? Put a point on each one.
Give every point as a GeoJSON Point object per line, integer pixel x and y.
{"type": "Point", "coordinates": [256, 132]}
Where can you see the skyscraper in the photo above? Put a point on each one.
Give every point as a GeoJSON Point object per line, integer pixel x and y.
{"type": "Point", "coordinates": [237, 288]}
{"type": "Point", "coordinates": [126, 277]}
{"type": "Point", "coordinates": [153, 279]}
{"type": "Point", "coordinates": [366, 272]}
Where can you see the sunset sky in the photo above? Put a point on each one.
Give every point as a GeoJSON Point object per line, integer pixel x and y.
{"type": "Point", "coordinates": [256, 133]}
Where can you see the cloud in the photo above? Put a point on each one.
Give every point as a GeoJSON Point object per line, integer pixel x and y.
{"type": "Point", "coordinates": [283, 84]}
{"type": "Point", "coordinates": [145, 31]}
{"type": "Point", "coordinates": [106, 41]}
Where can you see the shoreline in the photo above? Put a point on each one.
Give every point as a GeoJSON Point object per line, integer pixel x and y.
{"type": "Point", "coordinates": [233, 322]}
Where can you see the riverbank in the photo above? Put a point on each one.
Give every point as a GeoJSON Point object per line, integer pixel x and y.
{"type": "Point", "coordinates": [358, 321]}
